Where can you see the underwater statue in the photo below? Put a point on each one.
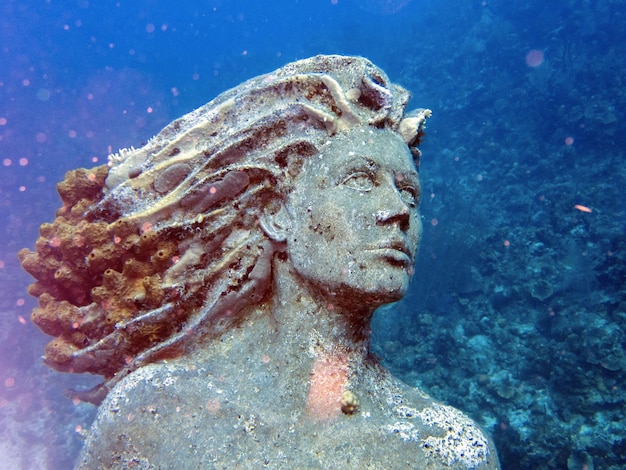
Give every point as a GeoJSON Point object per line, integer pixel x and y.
{"type": "Point", "coordinates": [222, 279]}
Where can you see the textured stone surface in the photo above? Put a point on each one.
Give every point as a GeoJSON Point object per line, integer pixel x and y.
{"type": "Point", "coordinates": [222, 279]}
{"type": "Point", "coordinates": [254, 409]}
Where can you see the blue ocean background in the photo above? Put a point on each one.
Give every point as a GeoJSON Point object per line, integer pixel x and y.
{"type": "Point", "coordinates": [517, 312]}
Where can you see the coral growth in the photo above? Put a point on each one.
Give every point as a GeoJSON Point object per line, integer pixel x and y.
{"type": "Point", "coordinates": [92, 274]}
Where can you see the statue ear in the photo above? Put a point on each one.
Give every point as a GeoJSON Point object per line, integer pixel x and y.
{"type": "Point", "coordinates": [276, 224]}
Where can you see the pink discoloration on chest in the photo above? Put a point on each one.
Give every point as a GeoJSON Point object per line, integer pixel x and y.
{"type": "Point", "coordinates": [329, 379]}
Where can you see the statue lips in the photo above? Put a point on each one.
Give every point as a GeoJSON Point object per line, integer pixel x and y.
{"type": "Point", "coordinates": [396, 249]}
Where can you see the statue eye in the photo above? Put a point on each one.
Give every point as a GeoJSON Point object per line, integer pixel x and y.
{"type": "Point", "coordinates": [410, 195]}
{"type": "Point", "coordinates": [359, 181]}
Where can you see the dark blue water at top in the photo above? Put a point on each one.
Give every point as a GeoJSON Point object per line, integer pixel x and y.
{"type": "Point", "coordinates": [517, 313]}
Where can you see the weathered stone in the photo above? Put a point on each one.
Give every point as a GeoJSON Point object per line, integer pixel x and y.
{"type": "Point", "coordinates": [249, 244]}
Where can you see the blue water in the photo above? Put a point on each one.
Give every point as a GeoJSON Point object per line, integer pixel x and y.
{"type": "Point", "coordinates": [517, 313]}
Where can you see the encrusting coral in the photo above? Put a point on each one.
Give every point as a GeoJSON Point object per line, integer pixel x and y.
{"type": "Point", "coordinates": [163, 244]}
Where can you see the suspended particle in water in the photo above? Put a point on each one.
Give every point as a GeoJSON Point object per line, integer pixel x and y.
{"type": "Point", "coordinates": [534, 58]}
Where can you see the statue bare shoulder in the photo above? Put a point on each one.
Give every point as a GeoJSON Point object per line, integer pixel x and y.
{"type": "Point", "coordinates": [190, 412]}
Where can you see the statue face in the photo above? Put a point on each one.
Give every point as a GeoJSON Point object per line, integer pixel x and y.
{"type": "Point", "coordinates": [354, 221]}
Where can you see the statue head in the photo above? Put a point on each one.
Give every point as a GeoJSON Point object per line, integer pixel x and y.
{"type": "Point", "coordinates": [314, 164]}
{"type": "Point", "coordinates": [350, 224]}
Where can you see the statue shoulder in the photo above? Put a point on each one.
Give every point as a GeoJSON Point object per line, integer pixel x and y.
{"type": "Point", "coordinates": [138, 416]}
{"type": "Point", "coordinates": [165, 414]}
{"type": "Point", "coordinates": [445, 436]}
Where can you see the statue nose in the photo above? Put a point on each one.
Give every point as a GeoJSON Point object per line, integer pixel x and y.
{"type": "Point", "coordinates": [400, 216]}
{"type": "Point", "coordinates": [394, 209]}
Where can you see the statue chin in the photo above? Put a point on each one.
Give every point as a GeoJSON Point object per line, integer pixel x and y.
{"type": "Point", "coordinates": [367, 290]}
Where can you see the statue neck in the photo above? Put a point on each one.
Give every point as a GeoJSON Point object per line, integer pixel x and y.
{"type": "Point", "coordinates": [307, 351]}
{"type": "Point", "coordinates": [301, 312]}
{"type": "Point", "coordinates": [321, 344]}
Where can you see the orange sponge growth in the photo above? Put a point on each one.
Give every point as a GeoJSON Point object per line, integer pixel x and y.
{"type": "Point", "coordinates": [93, 271]}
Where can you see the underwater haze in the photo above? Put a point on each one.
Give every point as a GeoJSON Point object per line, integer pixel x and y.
{"type": "Point", "coordinates": [517, 310]}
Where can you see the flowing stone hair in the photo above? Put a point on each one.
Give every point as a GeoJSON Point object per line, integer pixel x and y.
{"type": "Point", "coordinates": [183, 250]}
